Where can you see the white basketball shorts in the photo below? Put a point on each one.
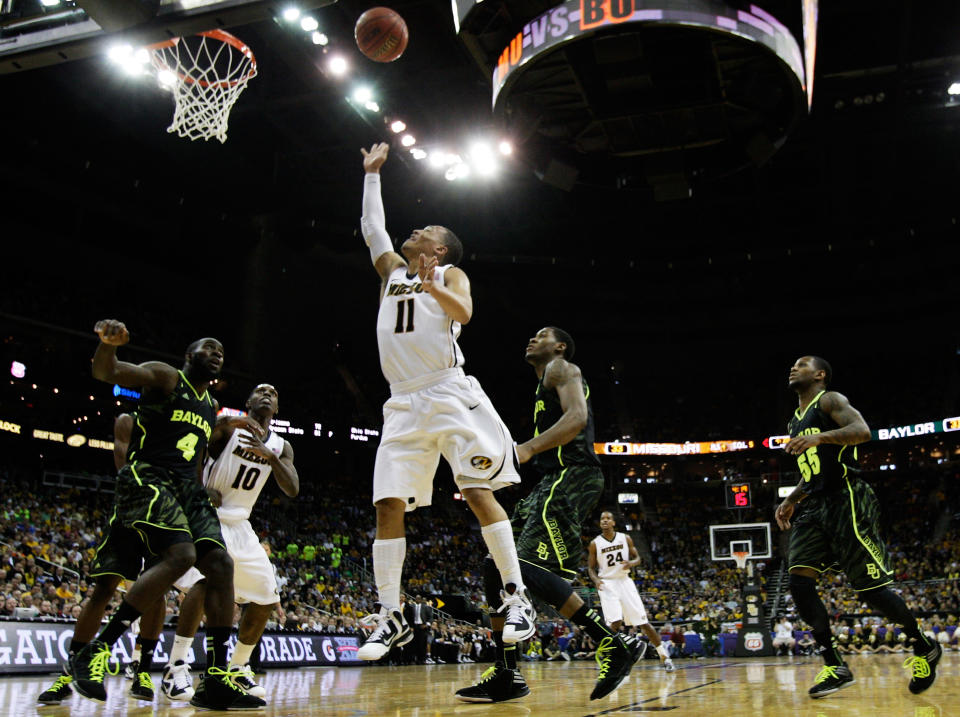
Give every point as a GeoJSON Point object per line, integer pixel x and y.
{"type": "Point", "coordinates": [448, 414]}
{"type": "Point", "coordinates": [253, 578]}
{"type": "Point", "coordinates": [620, 600]}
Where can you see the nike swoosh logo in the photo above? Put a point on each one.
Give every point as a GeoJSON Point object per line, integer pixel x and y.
{"type": "Point", "coordinates": [473, 407]}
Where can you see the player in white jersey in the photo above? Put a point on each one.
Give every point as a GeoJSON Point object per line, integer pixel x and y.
{"type": "Point", "coordinates": [433, 410]}
{"type": "Point", "coordinates": [611, 557]}
{"type": "Point", "coordinates": [237, 469]}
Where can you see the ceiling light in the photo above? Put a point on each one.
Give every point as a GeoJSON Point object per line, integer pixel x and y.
{"type": "Point", "coordinates": [49, 3]}
{"type": "Point", "coordinates": [408, 140]}
{"type": "Point", "coordinates": [309, 24]}
{"type": "Point", "coordinates": [320, 39]}
{"type": "Point", "coordinates": [372, 106]}
{"type": "Point", "coordinates": [166, 78]}
{"type": "Point", "coordinates": [954, 89]}
{"type": "Point", "coordinates": [291, 14]}
{"type": "Point", "coordinates": [363, 95]}
{"type": "Point", "coordinates": [506, 148]}
{"type": "Point", "coordinates": [450, 175]}
{"type": "Point", "coordinates": [418, 153]}
{"type": "Point", "coordinates": [337, 65]}
{"type": "Point", "coordinates": [120, 53]}
{"type": "Point", "coordinates": [398, 126]}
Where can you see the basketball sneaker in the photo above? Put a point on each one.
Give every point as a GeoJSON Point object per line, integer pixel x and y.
{"type": "Point", "coordinates": [246, 682]}
{"type": "Point", "coordinates": [390, 630]}
{"type": "Point", "coordinates": [219, 690]}
{"type": "Point", "coordinates": [520, 623]}
{"type": "Point", "coordinates": [58, 691]}
{"type": "Point", "coordinates": [87, 669]}
{"type": "Point", "coordinates": [830, 679]}
{"type": "Point", "coordinates": [176, 682]}
{"type": "Point", "coordinates": [131, 670]}
{"type": "Point", "coordinates": [497, 684]}
{"type": "Point", "coordinates": [142, 687]}
{"type": "Point", "coordinates": [924, 665]}
{"type": "Point", "coordinates": [668, 665]}
{"type": "Point", "coordinates": [615, 659]}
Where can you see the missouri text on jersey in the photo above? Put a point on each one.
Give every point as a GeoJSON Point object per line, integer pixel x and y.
{"type": "Point", "coordinates": [396, 289]}
{"type": "Point", "coordinates": [609, 548]}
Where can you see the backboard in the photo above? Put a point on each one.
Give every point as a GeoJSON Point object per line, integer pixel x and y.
{"type": "Point", "coordinates": [753, 538]}
{"type": "Point", "coordinates": [36, 34]}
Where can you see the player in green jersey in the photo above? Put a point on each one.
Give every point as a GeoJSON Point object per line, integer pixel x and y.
{"type": "Point", "coordinates": [836, 523]}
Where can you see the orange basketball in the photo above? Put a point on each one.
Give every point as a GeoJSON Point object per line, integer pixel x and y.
{"type": "Point", "coordinates": [381, 34]}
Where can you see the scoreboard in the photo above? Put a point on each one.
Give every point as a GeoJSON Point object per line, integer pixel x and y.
{"type": "Point", "coordinates": [739, 495]}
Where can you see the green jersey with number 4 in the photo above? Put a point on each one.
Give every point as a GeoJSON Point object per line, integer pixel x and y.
{"type": "Point", "coordinates": [173, 434]}
{"type": "Point", "coordinates": [822, 468]}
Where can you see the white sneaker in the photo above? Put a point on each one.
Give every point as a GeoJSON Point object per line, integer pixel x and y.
{"type": "Point", "coordinates": [565, 656]}
{"type": "Point", "coordinates": [176, 682]}
{"type": "Point", "coordinates": [391, 631]}
{"type": "Point", "coordinates": [521, 619]}
{"type": "Point", "coordinates": [668, 665]}
{"type": "Point", "coordinates": [429, 661]}
{"type": "Point", "coordinates": [244, 680]}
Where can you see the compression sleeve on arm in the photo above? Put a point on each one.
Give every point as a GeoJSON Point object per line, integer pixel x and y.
{"type": "Point", "coordinates": [373, 223]}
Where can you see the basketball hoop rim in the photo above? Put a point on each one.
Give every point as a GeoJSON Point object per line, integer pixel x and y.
{"type": "Point", "coordinates": [222, 36]}
{"type": "Point", "coordinates": [741, 557]}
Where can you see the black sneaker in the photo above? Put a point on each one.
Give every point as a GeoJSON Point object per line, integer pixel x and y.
{"type": "Point", "coordinates": [521, 620]}
{"type": "Point", "coordinates": [830, 679]}
{"type": "Point", "coordinates": [142, 687]}
{"type": "Point", "coordinates": [87, 669]}
{"type": "Point", "coordinates": [218, 691]}
{"type": "Point", "coordinates": [924, 665]}
{"type": "Point", "coordinates": [390, 630]}
{"type": "Point", "coordinates": [615, 660]}
{"type": "Point", "coordinates": [497, 684]}
{"type": "Point", "coordinates": [58, 691]}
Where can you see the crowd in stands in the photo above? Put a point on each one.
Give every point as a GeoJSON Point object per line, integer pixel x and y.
{"type": "Point", "coordinates": [320, 541]}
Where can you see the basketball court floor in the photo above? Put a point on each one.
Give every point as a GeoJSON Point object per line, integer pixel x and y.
{"type": "Point", "coordinates": [727, 687]}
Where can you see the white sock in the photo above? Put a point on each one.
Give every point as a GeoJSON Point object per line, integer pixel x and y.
{"type": "Point", "coordinates": [662, 650]}
{"type": "Point", "coordinates": [241, 654]}
{"type": "Point", "coordinates": [181, 646]}
{"type": "Point", "coordinates": [388, 556]}
{"type": "Point", "coordinates": [499, 539]}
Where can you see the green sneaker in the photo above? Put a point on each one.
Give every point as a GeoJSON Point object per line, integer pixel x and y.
{"type": "Point", "coordinates": [924, 666]}
{"type": "Point", "coordinates": [830, 679]}
{"type": "Point", "coordinates": [616, 660]}
{"type": "Point", "coordinates": [88, 667]}
{"type": "Point", "coordinates": [58, 691]}
{"type": "Point", "coordinates": [142, 687]}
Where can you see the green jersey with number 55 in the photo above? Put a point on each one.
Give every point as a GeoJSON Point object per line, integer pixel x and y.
{"type": "Point", "coordinates": [822, 468]}
{"type": "Point", "coordinates": [173, 434]}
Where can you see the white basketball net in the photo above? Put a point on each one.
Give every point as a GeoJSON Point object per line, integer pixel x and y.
{"type": "Point", "coordinates": [206, 73]}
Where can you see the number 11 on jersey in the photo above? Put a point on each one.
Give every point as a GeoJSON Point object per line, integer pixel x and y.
{"type": "Point", "coordinates": [399, 329]}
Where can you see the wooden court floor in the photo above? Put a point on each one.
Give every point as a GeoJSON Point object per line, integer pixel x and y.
{"type": "Point", "coordinates": [725, 687]}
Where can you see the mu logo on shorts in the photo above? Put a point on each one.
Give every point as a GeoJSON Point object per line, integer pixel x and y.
{"type": "Point", "coordinates": [481, 462]}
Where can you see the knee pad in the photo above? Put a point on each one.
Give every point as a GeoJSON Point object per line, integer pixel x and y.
{"type": "Point", "coordinates": [492, 584]}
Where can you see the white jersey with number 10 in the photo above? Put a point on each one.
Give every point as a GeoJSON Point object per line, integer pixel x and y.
{"type": "Point", "coordinates": [239, 475]}
{"type": "Point", "coordinates": [414, 333]}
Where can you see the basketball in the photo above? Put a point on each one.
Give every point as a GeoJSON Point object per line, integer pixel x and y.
{"type": "Point", "coordinates": [381, 34]}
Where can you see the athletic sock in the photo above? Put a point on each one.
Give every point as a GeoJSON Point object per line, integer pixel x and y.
{"type": "Point", "coordinates": [146, 654]}
{"type": "Point", "coordinates": [893, 607]}
{"type": "Point", "coordinates": [499, 539]}
{"type": "Point", "coordinates": [137, 650]}
{"type": "Point", "coordinates": [241, 654]}
{"type": "Point", "coordinates": [506, 654]}
{"type": "Point", "coordinates": [662, 651]}
{"type": "Point", "coordinates": [388, 557]}
{"type": "Point", "coordinates": [217, 639]}
{"type": "Point", "coordinates": [180, 649]}
{"type": "Point", "coordinates": [119, 623]}
{"type": "Point", "coordinates": [812, 611]}
{"type": "Point", "coordinates": [592, 623]}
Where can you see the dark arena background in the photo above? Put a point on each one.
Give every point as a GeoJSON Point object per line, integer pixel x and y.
{"type": "Point", "coordinates": [700, 192]}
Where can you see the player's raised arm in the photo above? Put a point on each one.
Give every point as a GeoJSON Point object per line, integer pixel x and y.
{"type": "Point", "coordinates": [106, 367]}
{"type": "Point", "coordinates": [373, 222]}
{"type": "Point", "coordinates": [566, 379]}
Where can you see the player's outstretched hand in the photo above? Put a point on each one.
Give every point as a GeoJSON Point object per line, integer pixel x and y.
{"type": "Point", "coordinates": [112, 332]}
{"type": "Point", "coordinates": [246, 423]}
{"type": "Point", "coordinates": [375, 157]}
{"type": "Point", "coordinates": [426, 270]}
{"type": "Point", "coordinates": [254, 444]}
{"type": "Point", "coordinates": [784, 513]}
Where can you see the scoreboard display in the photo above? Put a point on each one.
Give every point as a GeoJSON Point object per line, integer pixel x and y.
{"type": "Point", "coordinates": [738, 495]}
